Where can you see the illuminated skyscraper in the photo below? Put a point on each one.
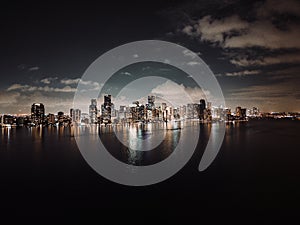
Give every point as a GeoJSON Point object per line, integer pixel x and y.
{"type": "Point", "coordinates": [190, 111]}
{"type": "Point", "coordinates": [93, 111]}
{"type": "Point", "coordinates": [240, 113]}
{"type": "Point", "coordinates": [151, 100]}
{"type": "Point", "coordinates": [51, 118]}
{"type": "Point", "coordinates": [72, 113]}
{"type": "Point", "coordinates": [202, 107]}
{"type": "Point", "coordinates": [75, 115]}
{"type": "Point", "coordinates": [37, 113]}
{"type": "Point", "coordinates": [208, 115]}
{"type": "Point", "coordinates": [163, 106]}
{"type": "Point", "coordinates": [182, 111]}
{"type": "Point", "coordinates": [243, 113]}
{"type": "Point", "coordinates": [106, 109]}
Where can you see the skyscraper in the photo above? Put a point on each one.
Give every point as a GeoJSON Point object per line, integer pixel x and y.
{"type": "Point", "coordinates": [72, 113]}
{"type": "Point", "coordinates": [93, 111]}
{"type": "Point", "coordinates": [151, 100]}
{"type": "Point", "coordinates": [37, 113]}
{"type": "Point", "coordinates": [51, 119]}
{"type": "Point", "coordinates": [190, 111]}
{"type": "Point", "coordinates": [240, 113]}
{"type": "Point", "coordinates": [75, 115]}
{"type": "Point", "coordinates": [202, 107]}
{"type": "Point", "coordinates": [106, 109]}
{"type": "Point", "coordinates": [208, 115]}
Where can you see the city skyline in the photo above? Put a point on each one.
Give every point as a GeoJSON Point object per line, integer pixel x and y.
{"type": "Point", "coordinates": [139, 112]}
{"type": "Point", "coordinates": [162, 88]}
{"type": "Point", "coordinates": [142, 101]}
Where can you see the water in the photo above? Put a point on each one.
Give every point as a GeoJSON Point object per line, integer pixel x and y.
{"type": "Point", "coordinates": [254, 179]}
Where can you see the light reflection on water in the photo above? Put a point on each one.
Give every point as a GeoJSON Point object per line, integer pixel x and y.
{"type": "Point", "coordinates": [157, 141]}
{"type": "Point", "coordinates": [40, 143]}
{"type": "Point", "coordinates": [122, 141]}
{"type": "Point", "coordinates": [134, 137]}
{"type": "Point", "coordinates": [258, 162]}
{"type": "Point", "coordinates": [143, 137]}
{"type": "Point", "coordinates": [125, 142]}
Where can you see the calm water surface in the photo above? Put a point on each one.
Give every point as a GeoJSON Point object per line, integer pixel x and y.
{"type": "Point", "coordinates": [254, 179]}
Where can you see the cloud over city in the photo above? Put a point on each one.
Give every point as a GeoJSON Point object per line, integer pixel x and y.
{"type": "Point", "coordinates": [268, 29]}
{"type": "Point", "coordinates": [52, 91]}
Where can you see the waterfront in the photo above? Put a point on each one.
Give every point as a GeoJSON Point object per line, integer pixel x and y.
{"type": "Point", "coordinates": [255, 176]}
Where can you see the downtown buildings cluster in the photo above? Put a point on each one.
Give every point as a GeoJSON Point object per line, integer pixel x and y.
{"type": "Point", "coordinates": [154, 111]}
{"type": "Point", "coordinates": [137, 112]}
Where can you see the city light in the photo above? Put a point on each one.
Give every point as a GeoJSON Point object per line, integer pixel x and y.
{"type": "Point", "coordinates": [150, 112]}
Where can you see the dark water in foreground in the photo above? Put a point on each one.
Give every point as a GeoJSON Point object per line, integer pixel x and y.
{"type": "Point", "coordinates": [255, 179]}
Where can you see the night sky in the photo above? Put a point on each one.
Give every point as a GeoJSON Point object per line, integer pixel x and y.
{"type": "Point", "coordinates": [252, 47]}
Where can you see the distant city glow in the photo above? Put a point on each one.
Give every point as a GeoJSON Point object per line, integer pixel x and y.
{"type": "Point", "coordinates": [138, 112]}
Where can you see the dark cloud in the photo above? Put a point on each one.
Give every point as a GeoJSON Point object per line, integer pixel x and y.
{"type": "Point", "coordinates": [290, 58]}
{"type": "Point", "coordinates": [269, 31]}
{"type": "Point", "coordinates": [275, 95]}
{"type": "Point", "coordinates": [235, 32]}
{"type": "Point", "coordinates": [259, 42]}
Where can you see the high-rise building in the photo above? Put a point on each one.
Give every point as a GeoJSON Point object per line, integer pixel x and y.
{"type": "Point", "coordinates": [202, 107]}
{"type": "Point", "coordinates": [182, 111]}
{"type": "Point", "coordinates": [60, 117]}
{"type": "Point", "coordinates": [227, 114]}
{"type": "Point", "coordinates": [141, 113]}
{"type": "Point", "coordinates": [169, 113]}
{"type": "Point", "coordinates": [107, 108]}
{"type": "Point", "coordinates": [51, 118]}
{"type": "Point", "coordinates": [240, 113]}
{"type": "Point", "coordinates": [134, 111]}
{"type": "Point", "coordinates": [93, 111]}
{"type": "Point", "coordinates": [208, 114]}
{"type": "Point", "coordinates": [75, 115]}
{"type": "Point", "coordinates": [176, 113]}
{"type": "Point", "coordinates": [243, 113]}
{"type": "Point", "coordinates": [37, 113]}
{"type": "Point", "coordinates": [122, 113]}
{"type": "Point", "coordinates": [151, 100]}
{"type": "Point", "coordinates": [72, 113]}
{"type": "Point", "coordinates": [190, 111]}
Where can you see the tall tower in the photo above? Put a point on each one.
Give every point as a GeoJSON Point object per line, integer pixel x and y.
{"type": "Point", "coordinates": [72, 113]}
{"type": "Point", "coordinates": [75, 114]}
{"type": "Point", "coordinates": [106, 109]}
{"type": "Point", "coordinates": [238, 111]}
{"type": "Point", "coordinates": [151, 100]}
{"type": "Point", "coordinates": [37, 113]}
{"type": "Point", "coordinates": [202, 107]}
{"type": "Point", "coordinates": [93, 111]}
